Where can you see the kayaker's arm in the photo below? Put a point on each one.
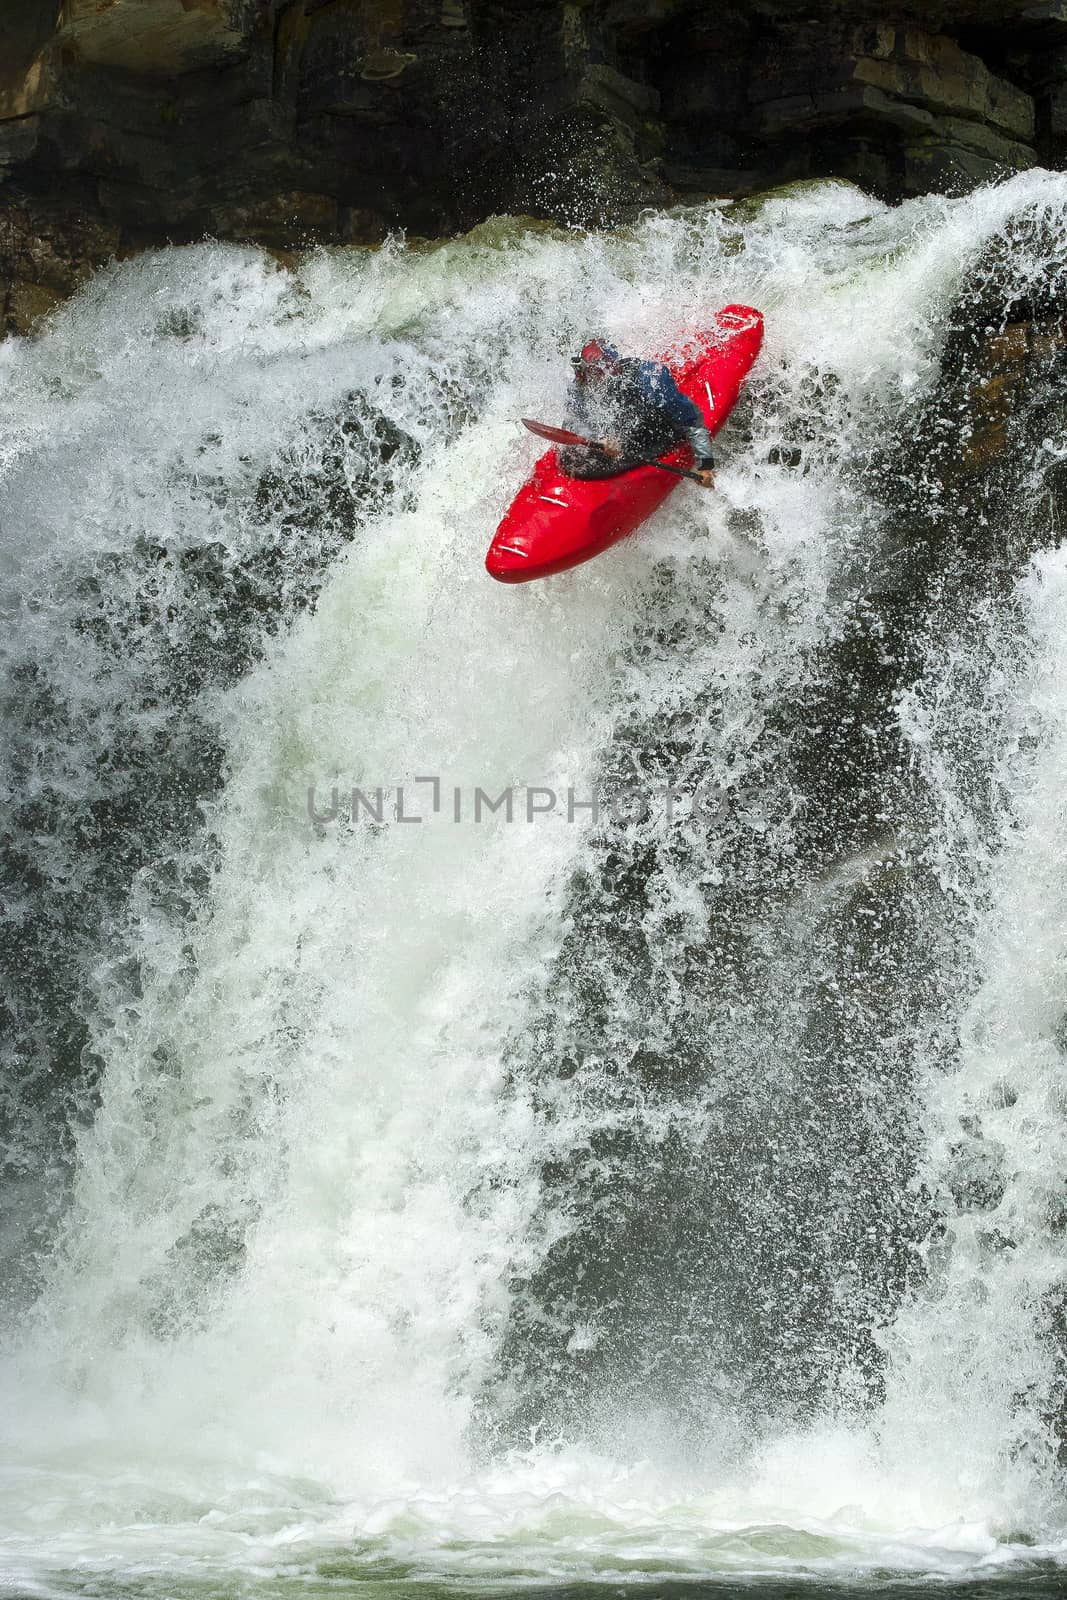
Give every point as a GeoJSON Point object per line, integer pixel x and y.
{"type": "Point", "coordinates": [700, 441]}
{"type": "Point", "coordinates": [576, 412]}
{"type": "Point", "coordinates": [578, 420]}
{"type": "Point", "coordinates": [700, 444]}
{"type": "Point", "coordinates": [658, 383]}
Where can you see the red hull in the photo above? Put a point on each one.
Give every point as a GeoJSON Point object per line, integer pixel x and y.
{"type": "Point", "coordinates": [555, 521]}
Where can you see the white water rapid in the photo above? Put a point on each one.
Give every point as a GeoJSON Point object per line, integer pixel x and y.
{"type": "Point", "coordinates": [503, 1201]}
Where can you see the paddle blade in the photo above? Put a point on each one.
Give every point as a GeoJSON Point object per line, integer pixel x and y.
{"type": "Point", "coordinates": [556, 435]}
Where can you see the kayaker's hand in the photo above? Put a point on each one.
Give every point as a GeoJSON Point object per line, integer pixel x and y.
{"type": "Point", "coordinates": [707, 477]}
{"type": "Point", "coordinates": [610, 449]}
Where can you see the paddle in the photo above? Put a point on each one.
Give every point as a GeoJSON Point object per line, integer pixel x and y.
{"type": "Point", "coordinates": [563, 436]}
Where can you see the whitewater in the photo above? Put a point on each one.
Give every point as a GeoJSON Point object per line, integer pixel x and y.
{"type": "Point", "coordinates": [497, 1201]}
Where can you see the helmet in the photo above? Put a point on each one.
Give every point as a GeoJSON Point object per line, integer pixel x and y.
{"type": "Point", "coordinates": [595, 356]}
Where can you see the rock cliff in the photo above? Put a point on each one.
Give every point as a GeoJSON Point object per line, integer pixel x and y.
{"type": "Point", "coordinates": [127, 123]}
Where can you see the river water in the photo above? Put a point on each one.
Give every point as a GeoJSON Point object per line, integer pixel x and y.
{"type": "Point", "coordinates": [664, 1199]}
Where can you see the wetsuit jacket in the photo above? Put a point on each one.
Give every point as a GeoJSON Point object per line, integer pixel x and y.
{"type": "Point", "coordinates": [639, 405]}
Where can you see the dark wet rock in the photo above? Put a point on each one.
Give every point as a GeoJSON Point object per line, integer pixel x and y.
{"type": "Point", "coordinates": [126, 123]}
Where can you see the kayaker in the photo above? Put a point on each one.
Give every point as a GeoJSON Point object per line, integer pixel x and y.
{"type": "Point", "coordinates": [636, 409]}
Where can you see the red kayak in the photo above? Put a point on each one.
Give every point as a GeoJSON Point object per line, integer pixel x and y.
{"type": "Point", "coordinates": [555, 521]}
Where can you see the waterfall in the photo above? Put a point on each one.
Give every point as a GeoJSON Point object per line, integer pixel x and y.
{"type": "Point", "coordinates": [403, 1181]}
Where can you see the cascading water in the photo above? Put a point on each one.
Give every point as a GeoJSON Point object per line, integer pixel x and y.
{"type": "Point", "coordinates": [499, 1198]}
